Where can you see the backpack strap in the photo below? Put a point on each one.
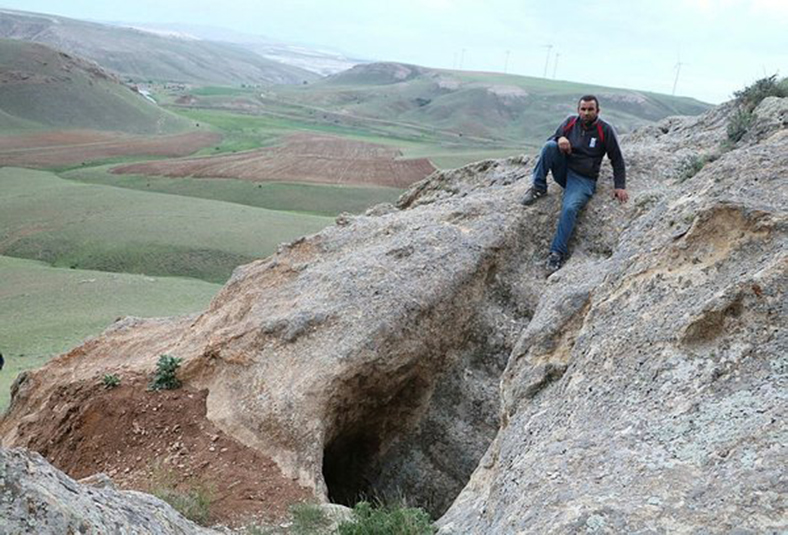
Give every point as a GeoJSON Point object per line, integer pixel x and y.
{"type": "Point", "coordinates": [570, 125]}
{"type": "Point", "coordinates": [601, 133]}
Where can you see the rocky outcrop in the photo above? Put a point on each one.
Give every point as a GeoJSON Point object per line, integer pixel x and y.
{"type": "Point", "coordinates": [404, 350]}
{"type": "Point", "coordinates": [648, 392]}
{"type": "Point", "coordinates": [36, 498]}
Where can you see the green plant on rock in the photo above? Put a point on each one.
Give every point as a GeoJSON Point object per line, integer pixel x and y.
{"type": "Point", "coordinates": [193, 503]}
{"type": "Point", "coordinates": [693, 166]}
{"type": "Point", "coordinates": [386, 520]}
{"type": "Point", "coordinates": [752, 95]}
{"type": "Point", "coordinates": [110, 380]}
{"type": "Point", "coordinates": [309, 519]}
{"type": "Point", "coordinates": [748, 99]}
{"type": "Point", "coordinates": [738, 124]}
{"type": "Point", "coordinates": [165, 377]}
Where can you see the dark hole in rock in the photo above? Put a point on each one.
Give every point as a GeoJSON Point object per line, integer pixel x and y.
{"type": "Point", "coordinates": [346, 461]}
{"type": "Point", "coordinates": [423, 444]}
{"type": "Point", "coordinates": [351, 459]}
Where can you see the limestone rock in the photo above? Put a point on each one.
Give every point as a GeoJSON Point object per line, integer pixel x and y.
{"type": "Point", "coordinates": [36, 498]}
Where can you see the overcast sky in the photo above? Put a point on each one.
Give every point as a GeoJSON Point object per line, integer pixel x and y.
{"type": "Point", "coordinates": [722, 44]}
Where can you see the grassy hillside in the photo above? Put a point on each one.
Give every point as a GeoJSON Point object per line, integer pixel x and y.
{"type": "Point", "coordinates": [45, 310]}
{"type": "Point", "coordinates": [144, 56]}
{"type": "Point", "coordinates": [315, 199]}
{"type": "Point", "coordinates": [506, 108]}
{"type": "Point", "coordinates": [84, 226]}
{"type": "Point", "coordinates": [41, 88]}
{"type": "Point", "coordinates": [450, 117]}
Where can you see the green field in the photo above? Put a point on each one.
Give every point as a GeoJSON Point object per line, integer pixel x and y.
{"type": "Point", "coordinates": [246, 132]}
{"type": "Point", "coordinates": [87, 226]}
{"type": "Point", "coordinates": [314, 199]}
{"type": "Point", "coordinates": [45, 311]}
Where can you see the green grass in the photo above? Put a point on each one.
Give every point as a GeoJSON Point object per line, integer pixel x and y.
{"type": "Point", "coordinates": [369, 519]}
{"type": "Point", "coordinates": [316, 199]}
{"type": "Point", "coordinates": [86, 226]}
{"type": "Point", "coordinates": [45, 311]}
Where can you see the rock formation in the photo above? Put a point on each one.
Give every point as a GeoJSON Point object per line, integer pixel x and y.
{"type": "Point", "coordinates": [640, 389]}
{"type": "Point", "coordinates": [38, 499]}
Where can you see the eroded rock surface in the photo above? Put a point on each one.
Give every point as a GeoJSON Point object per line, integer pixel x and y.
{"type": "Point", "coordinates": [640, 389]}
{"type": "Point", "coordinates": [648, 393]}
{"type": "Point", "coordinates": [36, 498]}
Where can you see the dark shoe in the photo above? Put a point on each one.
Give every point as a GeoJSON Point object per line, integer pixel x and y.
{"type": "Point", "coordinates": [532, 195]}
{"type": "Point", "coordinates": [554, 262]}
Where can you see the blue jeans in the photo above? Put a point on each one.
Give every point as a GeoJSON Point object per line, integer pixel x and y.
{"type": "Point", "coordinates": [578, 190]}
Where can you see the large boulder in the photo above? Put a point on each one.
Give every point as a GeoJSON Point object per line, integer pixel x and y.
{"type": "Point", "coordinates": [36, 498]}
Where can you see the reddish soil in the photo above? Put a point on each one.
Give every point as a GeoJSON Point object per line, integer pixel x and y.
{"type": "Point", "coordinates": [302, 158]}
{"type": "Point", "coordinates": [145, 439]}
{"type": "Point", "coordinates": [50, 149]}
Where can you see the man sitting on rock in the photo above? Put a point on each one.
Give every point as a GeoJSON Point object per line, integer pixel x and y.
{"type": "Point", "coordinates": [573, 155]}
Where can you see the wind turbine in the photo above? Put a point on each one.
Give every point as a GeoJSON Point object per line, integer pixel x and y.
{"type": "Point", "coordinates": [506, 63]}
{"type": "Point", "coordinates": [555, 63]}
{"type": "Point", "coordinates": [547, 59]}
{"type": "Point", "coordinates": [678, 70]}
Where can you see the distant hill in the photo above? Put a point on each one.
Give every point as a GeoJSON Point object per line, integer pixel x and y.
{"type": "Point", "coordinates": [321, 60]}
{"type": "Point", "coordinates": [497, 106]}
{"type": "Point", "coordinates": [145, 55]}
{"type": "Point", "coordinates": [43, 88]}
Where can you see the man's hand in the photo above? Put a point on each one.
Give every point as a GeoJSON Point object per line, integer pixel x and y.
{"type": "Point", "coordinates": [564, 145]}
{"type": "Point", "coordinates": [621, 195]}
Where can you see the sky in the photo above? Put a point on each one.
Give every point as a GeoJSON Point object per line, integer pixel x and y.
{"type": "Point", "coordinates": [705, 49]}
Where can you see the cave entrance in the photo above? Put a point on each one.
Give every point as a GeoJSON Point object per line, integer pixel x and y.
{"type": "Point", "coordinates": [381, 412]}
{"type": "Point", "coordinates": [347, 462]}
{"type": "Point", "coordinates": [420, 442]}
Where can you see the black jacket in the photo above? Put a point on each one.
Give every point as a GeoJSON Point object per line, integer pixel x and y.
{"type": "Point", "coordinates": [588, 149]}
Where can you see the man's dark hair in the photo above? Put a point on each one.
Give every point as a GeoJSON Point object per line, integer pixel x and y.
{"type": "Point", "coordinates": [589, 98]}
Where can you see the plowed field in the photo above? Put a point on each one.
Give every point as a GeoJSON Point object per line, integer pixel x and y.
{"type": "Point", "coordinates": [301, 158]}
{"type": "Point", "coordinates": [51, 149]}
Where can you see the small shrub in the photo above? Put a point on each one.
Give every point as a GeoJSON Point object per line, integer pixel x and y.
{"type": "Point", "coordinates": [738, 124]}
{"type": "Point", "coordinates": [308, 519]}
{"type": "Point", "coordinates": [752, 95]}
{"type": "Point", "coordinates": [193, 503]}
{"type": "Point", "coordinates": [748, 99]}
{"type": "Point", "coordinates": [693, 166]}
{"type": "Point", "coordinates": [110, 380]}
{"type": "Point", "coordinates": [165, 378]}
{"type": "Point", "coordinates": [387, 520]}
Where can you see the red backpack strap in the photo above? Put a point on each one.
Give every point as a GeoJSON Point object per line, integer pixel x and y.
{"type": "Point", "coordinates": [601, 133]}
{"type": "Point", "coordinates": [569, 125]}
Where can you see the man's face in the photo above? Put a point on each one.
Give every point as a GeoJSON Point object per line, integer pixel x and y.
{"type": "Point", "coordinates": [588, 111]}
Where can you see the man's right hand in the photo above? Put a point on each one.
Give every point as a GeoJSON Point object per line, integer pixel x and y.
{"type": "Point", "coordinates": [564, 145]}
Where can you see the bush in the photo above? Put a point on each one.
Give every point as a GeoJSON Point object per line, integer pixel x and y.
{"type": "Point", "coordinates": [748, 99]}
{"type": "Point", "coordinates": [193, 504]}
{"type": "Point", "coordinates": [165, 378]}
{"type": "Point", "coordinates": [110, 380]}
{"type": "Point", "coordinates": [308, 519]}
{"type": "Point", "coordinates": [752, 95]}
{"type": "Point", "coordinates": [738, 124]}
{"type": "Point", "coordinates": [693, 166]}
{"type": "Point", "coordinates": [386, 520]}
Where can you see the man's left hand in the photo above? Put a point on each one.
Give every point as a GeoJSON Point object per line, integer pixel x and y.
{"type": "Point", "coordinates": [621, 195]}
